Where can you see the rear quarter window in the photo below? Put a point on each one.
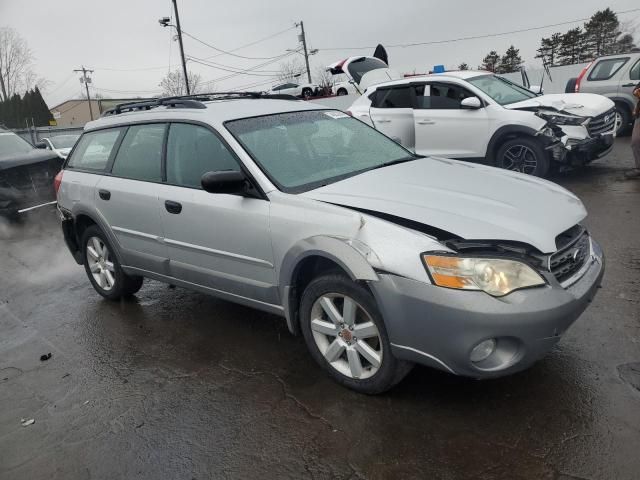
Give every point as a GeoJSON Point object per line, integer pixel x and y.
{"type": "Point", "coordinates": [607, 68]}
{"type": "Point", "coordinates": [634, 73]}
{"type": "Point", "coordinates": [94, 150]}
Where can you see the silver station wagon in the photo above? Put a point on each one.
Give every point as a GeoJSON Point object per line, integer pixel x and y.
{"type": "Point", "coordinates": [380, 258]}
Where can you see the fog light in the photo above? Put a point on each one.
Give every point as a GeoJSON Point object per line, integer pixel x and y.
{"type": "Point", "coordinates": [483, 350]}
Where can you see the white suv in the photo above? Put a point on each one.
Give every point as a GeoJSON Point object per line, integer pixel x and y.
{"type": "Point", "coordinates": [474, 115]}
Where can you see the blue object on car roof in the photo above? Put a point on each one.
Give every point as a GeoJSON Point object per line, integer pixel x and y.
{"type": "Point", "coordinates": [438, 69]}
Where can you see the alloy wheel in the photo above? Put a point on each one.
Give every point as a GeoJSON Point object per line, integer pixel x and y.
{"type": "Point", "coordinates": [520, 158]}
{"type": "Point", "coordinates": [346, 336]}
{"type": "Point", "coordinates": [100, 263]}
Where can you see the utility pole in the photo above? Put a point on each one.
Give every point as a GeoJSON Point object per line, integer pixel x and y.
{"type": "Point", "coordinates": [86, 80]}
{"type": "Point", "coordinates": [184, 63]}
{"type": "Point", "coordinates": [303, 39]}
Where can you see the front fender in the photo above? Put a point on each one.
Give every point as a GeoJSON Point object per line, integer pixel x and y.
{"type": "Point", "coordinates": [339, 250]}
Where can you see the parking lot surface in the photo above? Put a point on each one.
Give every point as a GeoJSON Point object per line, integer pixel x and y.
{"type": "Point", "coordinates": [175, 384]}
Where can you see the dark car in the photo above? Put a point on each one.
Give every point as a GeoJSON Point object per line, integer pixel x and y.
{"type": "Point", "coordinates": [26, 175]}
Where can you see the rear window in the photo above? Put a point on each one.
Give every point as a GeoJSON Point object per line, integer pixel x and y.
{"type": "Point", "coordinates": [94, 149]}
{"type": "Point", "coordinates": [607, 68]}
{"type": "Point", "coordinates": [396, 97]}
{"type": "Point", "coordinates": [634, 73]}
{"type": "Point", "coordinates": [140, 155]}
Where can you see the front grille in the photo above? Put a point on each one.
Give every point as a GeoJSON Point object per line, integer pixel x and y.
{"type": "Point", "coordinates": [602, 123]}
{"type": "Point", "coordinates": [571, 257]}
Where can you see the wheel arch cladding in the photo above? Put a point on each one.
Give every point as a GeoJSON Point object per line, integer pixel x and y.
{"type": "Point", "coordinates": [94, 218]}
{"type": "Point", "coordinates": [311, 257]}
{"type": "Point", "coordinates": [504, 134]}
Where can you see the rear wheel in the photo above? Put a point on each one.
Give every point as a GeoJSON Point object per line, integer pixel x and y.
{"type": "Point", "coordinates": [345, 334]}
{"type": "Point", "coordinates": [103, 269]}
{"type": "Point", "coordinates": [307, 93]}
{"type": "Point", "coordinates": [524, 155]}
{"type": "Point", "coordinates": [623, 119]}
{"type": "Point", "coordinates": [342, 92]}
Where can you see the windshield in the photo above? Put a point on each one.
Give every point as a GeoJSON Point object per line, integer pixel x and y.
{"type": "Point", "coordinates": [64, 141]}
{"type": "Point", "coordinates": [501, 90]}
{"type": "Point", "coordinates": [359, 67]}
{"type": "Point", "coordinates": [300, 151]}
{"type": "Point", "coordinates": [12, 144]}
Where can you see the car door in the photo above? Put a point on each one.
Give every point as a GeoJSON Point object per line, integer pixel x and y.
{"type": "Point", "coordinates": [443, 127]}
{"type": "Point", "coordinates": [128, 199]}
{"type": "Point", "coordinates": [604, 77]}
{"type": "Point", "coordinates": [629, 81]}
{"type": "Point", "coordinates": [218, 241]}
{"type": "Point", "coordinates": [392, 114]}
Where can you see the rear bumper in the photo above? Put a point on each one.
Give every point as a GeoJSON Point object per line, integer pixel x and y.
{"type": "Point", "coordinates": [439, 327]}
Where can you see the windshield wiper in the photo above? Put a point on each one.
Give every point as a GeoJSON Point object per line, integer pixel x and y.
{"type": "Point", "coordinates": [399, 160]}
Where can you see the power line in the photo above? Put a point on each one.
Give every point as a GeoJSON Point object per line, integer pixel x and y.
{"type": "Point", "coordinates": [225, 52]}
{"type": "Point", "coordinates": [476, 37]}
{"type": "Point", "coordinates": [254, 42]}
{"type": "Point", "coordinates": [218, 66]}
{"type": "Point", "coordinates": [226, 77]}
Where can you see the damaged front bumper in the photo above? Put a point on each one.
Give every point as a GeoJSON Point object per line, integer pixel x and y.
{"type": "Point", "coordinates": [574, 146]}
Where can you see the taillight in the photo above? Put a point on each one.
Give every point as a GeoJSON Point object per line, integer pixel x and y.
{"type": "Point", "coordinates": [57, 181]}
{"type": "Point", "coordinates": [582, 74]}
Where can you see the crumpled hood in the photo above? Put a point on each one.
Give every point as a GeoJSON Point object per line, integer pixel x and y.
{"type": "Point", "coordinates": [583, 104]}
{"type": "Point", "coordinates": [471, 201]}
{"type": "Point", "coordinates": [34, 156]}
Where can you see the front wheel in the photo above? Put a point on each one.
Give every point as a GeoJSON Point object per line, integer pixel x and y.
{"type": "Point", "coordinates": [345, 334]}
{"type": "Point", "coordinates": [623, 119]}
{"type": "Point", "coordinates": [524, 155]}
{"type": "Point", "coordinates": [307, 93]}
{"type": "Point", "coordinates": [342, 92]}
{"type": "Point", "coordinates": [103, 269]}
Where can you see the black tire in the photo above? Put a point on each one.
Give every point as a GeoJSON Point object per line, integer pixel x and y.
{"type": "Point", "coordinates": [625, 115]}
{"type": "Point", "coordinates": [533, 159]}
{"type": "Point", "coordinates": [391, 370]}
{"type": "Point", "coordinates": [307, 93]}
{"type": "Point", "coordinates": [342, 92]}
{"type": "Point", "coordinates": [124, 285]}
{"type": "Point", "coordinates": [570, 87]}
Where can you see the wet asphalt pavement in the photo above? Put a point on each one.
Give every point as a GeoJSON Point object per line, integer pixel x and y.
{"type": "Point", "coordinates": [179, 385]}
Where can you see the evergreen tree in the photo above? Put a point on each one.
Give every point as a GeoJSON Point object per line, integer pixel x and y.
{"type": "Point", "coordinates": [490, 61]}
{"type": "Point", "coordinates": [41, 112]}
{"type": "Point", "coordinates": [511, 61]}
{"type": "Point", "coordinates": [463, 66]}
{"type": "Point", "coordinates": [601, 33]}
{"type": "Point", "coordinates": [571, 48]}
{"type": "Point", "coordinates": [549, 49]}
{"type": "Point", "coordinates": [625, 43]}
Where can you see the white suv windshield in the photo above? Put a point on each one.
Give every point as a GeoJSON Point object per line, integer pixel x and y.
{"type": "Point", "coordinates": [300, 151]}
{"type": "Point", "coordinates": [501, 90]}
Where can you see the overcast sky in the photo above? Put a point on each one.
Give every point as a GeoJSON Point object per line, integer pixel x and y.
{"type": "Point", "coordinates": [130, 52]}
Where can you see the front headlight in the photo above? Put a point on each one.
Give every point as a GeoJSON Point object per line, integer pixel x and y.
{"type": "Point", "coordinates": [561, 118]}
{"type": "Point", "coordinates": [494, 276]}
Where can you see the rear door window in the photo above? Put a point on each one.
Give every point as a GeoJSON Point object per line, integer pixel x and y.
{"type": "Point", "coordinates": [140, 154]}
{"type": "Point", "coordinates": [393, 97]}
{"type": "Point", "coordinates": [607, 68]}
{"type": "Point", "coordinates": [94, 150]}
{"type": "Point", "coordinates": [192, 151]}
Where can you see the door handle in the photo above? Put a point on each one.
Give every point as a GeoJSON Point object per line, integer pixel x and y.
{"type": "Point", "coordinates": [104, 194]}
{"type": "Point", "coordinates": [426, 122]}
{"type": "Point", "coordinates": [629, 85]}
{"type": "Point", "coordinates": [173, 207]}
{"type": "Point", "coordinates": [383, 120]}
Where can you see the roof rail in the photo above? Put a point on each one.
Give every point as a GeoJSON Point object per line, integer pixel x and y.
{"type": "Point", "coordinates": [190, 101]}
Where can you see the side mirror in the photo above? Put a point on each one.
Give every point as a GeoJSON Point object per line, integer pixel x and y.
{"type": "Point", "coordinates": [228, 181]}
{"type": "Point", "coordinates": [471, 103]}
{"type": "Point", "coordinates": [537, 89]}
{"type": "Point", "coordinates": [42, 145]}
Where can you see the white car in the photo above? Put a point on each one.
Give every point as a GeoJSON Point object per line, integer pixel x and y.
{"type": "Point", "coordinates": [303, 90]}
{"type": "Point", "coordinates": [61, 145]}
{"type": "Point", "coordinates": [476, 115]}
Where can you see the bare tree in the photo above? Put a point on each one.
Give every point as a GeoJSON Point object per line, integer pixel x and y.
{"type": "Point", "coordinates": [290, 70]}
{"type": "Point", "coordinates": [16, 59]}
{"type": "Point", "coordinates": [324, 79]}
{"type": "Point", "coordinates": [173, 83]}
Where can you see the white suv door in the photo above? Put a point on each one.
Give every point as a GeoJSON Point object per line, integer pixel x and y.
{"type": "Point", "coordinates": [443, 127]}
{"type": "Point", "coordinates": [392, 113]}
